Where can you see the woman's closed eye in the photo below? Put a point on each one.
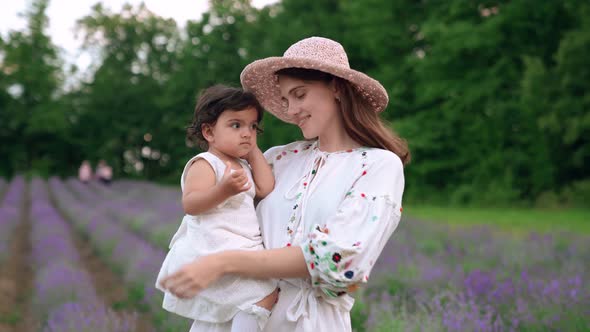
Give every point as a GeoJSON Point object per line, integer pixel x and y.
{"type": "Point", "coordinates": [284, 102]}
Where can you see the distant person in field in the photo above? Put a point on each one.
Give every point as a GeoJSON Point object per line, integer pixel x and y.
{"type": "Point", "coordinates": [337, 197]}
{"type": "Point", "coordinates": [104, 172]}
{"type": "Point", "coordinates": [219, 187]}
{"type": "Point", "coordinates": [85, 172]}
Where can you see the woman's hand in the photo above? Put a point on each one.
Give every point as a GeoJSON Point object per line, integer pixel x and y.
{"type": "Point", "coordinates": [194, 277]}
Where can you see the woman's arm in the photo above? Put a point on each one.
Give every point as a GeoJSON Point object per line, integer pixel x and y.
{"type": "Point", "coordinates": [340, 251]}
{"type": "Point", "coordinates": [202, 194]}
{"type": "Point", "coordinates": [285, 262]}
{"type": "Point", "coordinates": [264, 179]}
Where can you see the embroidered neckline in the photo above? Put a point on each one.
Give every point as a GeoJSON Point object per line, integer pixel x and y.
{"type": "Point", "coordinates": [294, 224]}
{"type": "Point", "coordinates": [360, 148]}
{"type": "Point", "coordinates": [314, 147]}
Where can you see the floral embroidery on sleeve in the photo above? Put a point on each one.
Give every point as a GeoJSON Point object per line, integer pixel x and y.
{"type": "Point", "coordinates": [340, 252]}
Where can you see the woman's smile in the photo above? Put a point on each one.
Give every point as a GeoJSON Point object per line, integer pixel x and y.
{"type": "Point", "coordinates": [303, 120]}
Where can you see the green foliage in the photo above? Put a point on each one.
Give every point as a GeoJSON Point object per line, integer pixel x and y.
{"type": "Point", "coordinates": [511, 220]}
{"type": "Point", "coordinates": [358, 315]}
{"type": "Point", "coordinates": [490, 95]}
{"type": "Point", "coordinates": [32, 121]}
{"type": "Point", "coordinates": [136, 295]}
{"type": "Point", "coordinates": [11, 318]}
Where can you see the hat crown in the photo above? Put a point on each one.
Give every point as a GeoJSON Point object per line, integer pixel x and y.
{"type": "Point", "coordinates": [320, 49]}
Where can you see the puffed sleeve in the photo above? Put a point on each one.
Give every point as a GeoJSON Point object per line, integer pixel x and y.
{"type": "Point", "coordinates": [340, 252]}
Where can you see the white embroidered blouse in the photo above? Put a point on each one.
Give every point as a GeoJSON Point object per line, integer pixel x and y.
{"type": "Point", "coordinates": [340, 208]}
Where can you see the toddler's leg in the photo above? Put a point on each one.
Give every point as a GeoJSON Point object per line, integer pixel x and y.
{"type": "Point", "coordinates": [269, 301]}
{"type": "Point", "coordinates": [247, 322]}
{"type": "Point", "coordinates": [244, 322]}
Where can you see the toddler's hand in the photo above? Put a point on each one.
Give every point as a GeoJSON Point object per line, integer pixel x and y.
{"type": "Point", "coordinates": [235, 182]}
{"type": "Point", "coordinates": [254, 152]}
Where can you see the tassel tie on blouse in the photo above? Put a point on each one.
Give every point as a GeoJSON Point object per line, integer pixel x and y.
{"type": "Point", "coordinates": [305, 304]}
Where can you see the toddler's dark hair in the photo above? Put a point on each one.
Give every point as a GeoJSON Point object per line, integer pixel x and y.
{"type": "Point", "coordinates": [215, 100]}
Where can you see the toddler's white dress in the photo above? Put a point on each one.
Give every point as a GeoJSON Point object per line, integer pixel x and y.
{"type": "Point", "coordinates": [231, 225]}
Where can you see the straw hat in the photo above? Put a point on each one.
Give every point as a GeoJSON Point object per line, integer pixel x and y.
{"type": "Point", "coordinates": [317, 53]}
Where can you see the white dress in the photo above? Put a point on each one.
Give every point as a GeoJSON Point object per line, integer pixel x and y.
{"type": "Point", "coordinates": [231, 225]}
{"type": "Point", "coordinates": [340, 208]}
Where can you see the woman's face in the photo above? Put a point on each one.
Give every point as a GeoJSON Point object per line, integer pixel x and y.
{"type": "Point", "coordinates": [311, 104]}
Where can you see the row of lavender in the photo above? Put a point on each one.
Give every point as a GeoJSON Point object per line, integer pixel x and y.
{"type": "Point", "coordinates": [151, 211]}
{"type": "Point", "coordinates": [134, 258]}
{"type": "Point", "coordinates": [64, 298]}
{"type": "Point", "coordinates": [433, 277]}
{"type": "Point", "coordinates": [10, 214]}
{"type": "Point", "coordinates": [475, 279]}
{"type": "Point", "coordinates": [429, 277]}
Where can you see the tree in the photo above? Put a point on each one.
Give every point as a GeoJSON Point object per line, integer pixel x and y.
{"type": "Point", "coordinates": [120, 108]}
{"type": "Point", "coordinates": [554, 92]}
{"type": "Point", "coordinates": [32, 74]}
{"type": "Point", "coordinates": [470, 136]}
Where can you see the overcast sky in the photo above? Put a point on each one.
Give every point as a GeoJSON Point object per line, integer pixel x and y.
{"type": "Point", "coordinates": [64, 13]}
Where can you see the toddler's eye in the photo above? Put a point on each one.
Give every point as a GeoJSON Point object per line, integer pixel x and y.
{"type": "Point", "coordinates": [235, 125]}
{"type": "Point", "coordinates": [254, 126]}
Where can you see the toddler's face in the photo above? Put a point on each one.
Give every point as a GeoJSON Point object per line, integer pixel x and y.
{"type": "Point", "coordinates": [234, 133]}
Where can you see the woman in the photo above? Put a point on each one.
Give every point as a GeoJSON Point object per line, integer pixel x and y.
{"type": "Point", "coordinates": [104, 172]}
{"type": "Point", "coordinates": [85, 172]}
{"type": "Point", "coordinates": [337, 196]}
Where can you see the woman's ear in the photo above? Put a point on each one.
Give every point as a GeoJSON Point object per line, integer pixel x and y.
{"type": "Point", "coordinates": [207, 131]}
{"type": "Point", "coordinates": [335, 87]}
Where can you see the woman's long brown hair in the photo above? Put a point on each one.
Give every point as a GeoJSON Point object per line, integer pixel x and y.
{"type": "Point", "coordinates": [361, 122]}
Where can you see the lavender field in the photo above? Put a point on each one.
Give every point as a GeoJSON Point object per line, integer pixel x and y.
{"type": "Point", "coordinates": [84, 257]}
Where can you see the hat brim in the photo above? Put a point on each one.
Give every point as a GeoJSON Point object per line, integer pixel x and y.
{"type": "Point", "coordinates": [260, 78]}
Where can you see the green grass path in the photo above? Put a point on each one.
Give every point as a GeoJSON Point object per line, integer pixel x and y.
{"type": "Point", "coordinates": [508, 219]}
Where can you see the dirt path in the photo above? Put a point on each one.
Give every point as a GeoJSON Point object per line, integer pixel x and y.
{"type": "Point", "coordinates": [16, 277]}
{"type": "Point", "coordinates": [108, 285]}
